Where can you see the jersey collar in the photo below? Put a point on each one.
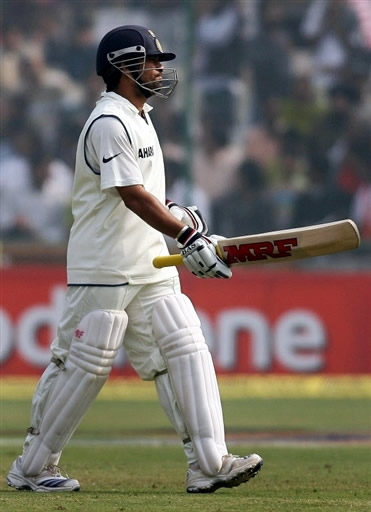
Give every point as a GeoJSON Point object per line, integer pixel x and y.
{"type": "Point", "coordinates": [114, 96]}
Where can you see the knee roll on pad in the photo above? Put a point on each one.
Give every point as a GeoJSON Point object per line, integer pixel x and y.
{"type": "Point", "coordinates": [178, 333]}
{"type": "Point", "coordinates": [93, 349]}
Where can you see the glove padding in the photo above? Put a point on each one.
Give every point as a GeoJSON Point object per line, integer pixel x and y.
{"type": "Point", "coordinates": [199, 255]}
{"type": "Point", "coordinates": [189, 215]}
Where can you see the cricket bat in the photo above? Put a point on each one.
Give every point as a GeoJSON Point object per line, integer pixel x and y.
{"type": "Point", "coordinates": [285, 245]}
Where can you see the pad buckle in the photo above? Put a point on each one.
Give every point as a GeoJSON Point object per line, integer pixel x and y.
{"type": "Point", "coordinates": [57, 362]}
{"type": "Point", "coordinates": [33, 431]}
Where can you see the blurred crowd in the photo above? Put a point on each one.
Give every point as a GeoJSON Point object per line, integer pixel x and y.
{"type": "Point", "coordinates": [270, 127]}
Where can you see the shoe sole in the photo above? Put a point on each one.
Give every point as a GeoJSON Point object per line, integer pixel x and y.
{"type": "Point", "coordinates": [234, 481]}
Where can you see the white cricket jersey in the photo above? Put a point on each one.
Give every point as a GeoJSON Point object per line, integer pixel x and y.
{"type": "Point", "coordinates": [109, 244]}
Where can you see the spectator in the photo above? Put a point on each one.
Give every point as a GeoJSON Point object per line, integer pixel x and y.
{"type": "Point", "coordinates": [10, 58]}
{"type": "Point", "coordinates": [80, 52]}
{"type": "Point", "coordinates": [15, 179]}
{"type": "Point", "coordinates": [219, 41]}
{"type": "Point", "coordinates": [267, 55]}
{"type": "Point", "coordinates": [318, 202]}
{"type": "Point", "coordinates": [331, 27]}
{"type": "Point", "coordinates": [246, 209]}
{"type": "Point", "coordinates": [182, 191]}
{"type": "Point", "coordinates": [216, 160]}
{"type": "Point", "coordinates": [41, 213]}
{"type": "Point", "coordinates": [355, 177]}
{"type": "Point", "coordinates": [45, 210]}
{"type": "Point", "coordinates": [301, 110]}
{"type": "Point", "coordinates": [330, 133]}
{"type": "Point", "coordinates": [361, 207]}
{"type": "Point", "coordinates": [287, 177]}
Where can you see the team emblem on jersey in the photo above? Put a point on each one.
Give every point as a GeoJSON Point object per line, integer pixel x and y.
{"type": "Point", "coordinates": [146, 152]}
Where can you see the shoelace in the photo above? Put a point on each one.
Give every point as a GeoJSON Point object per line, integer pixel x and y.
{"type": "Point", "coordinates": [55, 470]}
{"type": "Point", "coordinates": [231, 455]}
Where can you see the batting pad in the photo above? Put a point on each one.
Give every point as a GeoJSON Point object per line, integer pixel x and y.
{"type": "Point", "coordinates": [178, 333]}
{"type": "Point", "coordinates": [93, 349]}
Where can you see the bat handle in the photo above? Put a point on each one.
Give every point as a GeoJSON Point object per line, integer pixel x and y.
{"type": "Point", "coordinates": [168, 261]}
{"type": "Point", "coordinates": [174, 260]}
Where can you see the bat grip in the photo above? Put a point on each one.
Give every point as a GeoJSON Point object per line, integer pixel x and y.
{"type": "Point", "coordinates": [175, 260]}
{"type": "Point", "coordinates": [168, 261]}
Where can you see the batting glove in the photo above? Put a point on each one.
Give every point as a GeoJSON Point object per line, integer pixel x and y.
{"type": "Point", "coordinates": [199, 255]}
{"type": "Point", "coordinates": [189, 215]}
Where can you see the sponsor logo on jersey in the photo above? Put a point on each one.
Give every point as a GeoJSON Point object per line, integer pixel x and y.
{"type": "Point", "coordinates": [108, 159]}
{"type": "Point", "coordinates": [280, 248]}
{"type": "Point", "coordinates": [146, 152]}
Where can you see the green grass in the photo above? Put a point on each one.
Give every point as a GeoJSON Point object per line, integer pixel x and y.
{"type": "Point", "coordinates": [152, 479]}
{"type": "Point", "coordinates": [115, 419]}
{"type": "Point", "coordinates": [116, 474]}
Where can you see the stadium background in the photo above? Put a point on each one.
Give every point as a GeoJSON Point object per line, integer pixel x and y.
{"type": "Point", "coordinates": [268, 129]}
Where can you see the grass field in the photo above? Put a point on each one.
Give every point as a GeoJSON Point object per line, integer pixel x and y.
{"type": "Point", "coordinates": [315, 444]}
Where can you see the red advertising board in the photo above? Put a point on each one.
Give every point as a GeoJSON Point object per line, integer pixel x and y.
{"type": "Point", "coordinates": [281, 322]}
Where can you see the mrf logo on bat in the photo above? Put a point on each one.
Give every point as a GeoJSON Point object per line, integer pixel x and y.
{"type": "Point", "coordinates": [280, 248]}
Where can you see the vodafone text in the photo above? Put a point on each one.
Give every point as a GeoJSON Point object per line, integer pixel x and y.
{"type": "Point", "coordinates": [296, 340]}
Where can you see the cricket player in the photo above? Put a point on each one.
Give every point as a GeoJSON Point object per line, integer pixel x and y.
{"type": "Point", "coordinates": [115, 296]}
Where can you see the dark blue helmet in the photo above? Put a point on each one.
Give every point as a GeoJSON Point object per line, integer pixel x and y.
{"type": "Point", "coordinates": [127, 42]}
{"type": "Point", "coordinates": [126, 48]}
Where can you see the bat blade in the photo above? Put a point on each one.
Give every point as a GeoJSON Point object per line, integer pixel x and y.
{"type": "Point", "coordinates": [291, 244]}
{"type": "Point", "coordinates": [284, 245]}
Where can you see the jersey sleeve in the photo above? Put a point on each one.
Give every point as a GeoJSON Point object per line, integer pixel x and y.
{"type": "Point", "coordinates": [109, 149]}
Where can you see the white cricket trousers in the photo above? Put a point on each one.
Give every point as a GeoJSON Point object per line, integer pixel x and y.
{"type": "Point", "coordinates": [138, 301]}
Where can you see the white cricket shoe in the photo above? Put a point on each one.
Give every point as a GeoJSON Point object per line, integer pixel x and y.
{"type": "Point", "coordinates": [235, 471]}
{"type": "Point", "coordinates": [50, 480]}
